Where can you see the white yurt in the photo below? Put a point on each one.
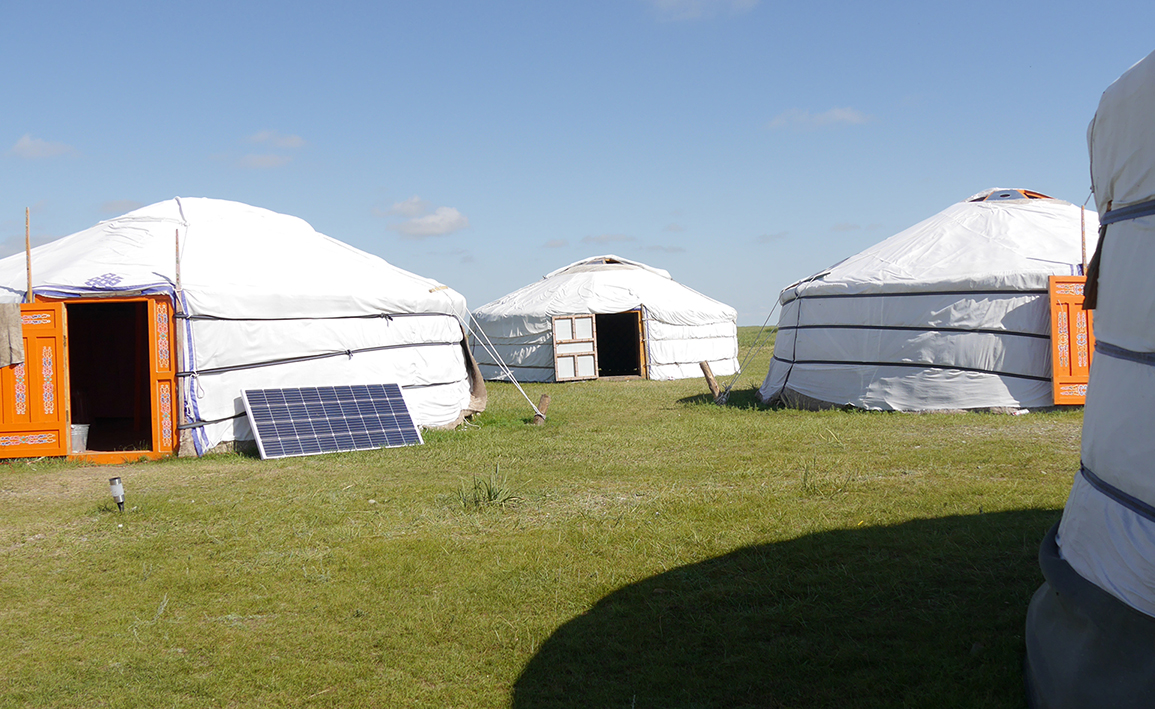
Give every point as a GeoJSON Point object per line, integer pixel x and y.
{"type": "Point", "coordinates": [952, 313]}
{"type": "Point", "coordinates": [193, 300]}
{"type": "Point", "coordinates": [1091, 626]}
{"type": "Point", "coordinates": [605, 316]}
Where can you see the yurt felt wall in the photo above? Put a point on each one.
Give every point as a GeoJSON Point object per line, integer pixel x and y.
{"type": "Point", "coordinates": [1091, 626]}
{"type": "Point", "coordinates": [952, 313]}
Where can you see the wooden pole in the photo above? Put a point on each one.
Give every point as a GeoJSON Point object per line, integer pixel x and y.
{"type": "Point", "coordinates": [542, 405]}
{"type": "Point", "coordinates": [176, 240]}
{"type": "Point", "coordinates": [1083, 234]}
{"type": "Point", "coordinates": [28, 252]}
{"type": "Point", "coordinates": [715, 390]}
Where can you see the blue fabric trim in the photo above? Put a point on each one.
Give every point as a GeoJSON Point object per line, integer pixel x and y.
{"type": "Point", "coordinates": [1147, 358]}
{"type": "Point", "coordinates": [1131, 211]}
{"type": "Point", "coordinates": [1131, 502]}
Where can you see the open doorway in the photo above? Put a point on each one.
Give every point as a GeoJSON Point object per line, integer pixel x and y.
{"type": "Point", "coordinates": [108, 359]}
{"type": "Point", "coordinates": [619, 344]}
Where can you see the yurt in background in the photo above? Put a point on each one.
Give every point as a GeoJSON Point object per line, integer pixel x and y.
{"type": "Point", "coordinates": [952, 313]}
{"type": "Point", "coordinates": [120, 333]}
{"type": "Point", "coordinates": [1090, 630]}
{"type": "Point", "coordinates": [605, 316]}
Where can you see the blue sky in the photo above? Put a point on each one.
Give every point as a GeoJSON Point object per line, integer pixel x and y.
{"type": "Point", "coordinates": [739, 144]}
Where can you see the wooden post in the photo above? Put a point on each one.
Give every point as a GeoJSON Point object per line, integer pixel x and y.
{"type": "Point", "coordinates": [176, 240]}
{"type": "Point", "coordinates": [542, 405]}
{"type": "Point", "coordinates": [28, 252]}
{"type": "Point", "coordinates": [1083, 234]}
{"type": "Point", "coordinates": [715, 391]}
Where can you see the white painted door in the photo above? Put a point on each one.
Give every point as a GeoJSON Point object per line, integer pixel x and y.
{"type": "Point", "coordinates": [575, 348]}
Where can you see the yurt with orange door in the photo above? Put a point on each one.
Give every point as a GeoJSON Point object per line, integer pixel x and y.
{"type": "Point", "coordinates": [151, 324]}
{"type": "Point", "coordinates": [951, 313]}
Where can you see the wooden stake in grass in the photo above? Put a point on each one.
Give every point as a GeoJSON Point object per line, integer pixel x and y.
{"type": "Point", "coordinates": [715, 391]}
{"type": "Point", "coordinates": [542, 405]}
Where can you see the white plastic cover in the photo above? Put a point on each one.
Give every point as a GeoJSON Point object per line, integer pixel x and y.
{"type": "Point", "coordinates": [1109, 543]}
{"type": "Point", "coordinates": [272, 288]}
{"type": "Point", "coordinates": [965, 291]}
{"type": "Point", "coordinates": [682, 327]}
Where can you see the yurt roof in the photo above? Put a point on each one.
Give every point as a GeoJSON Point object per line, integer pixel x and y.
{"type": "Point", "coordinates": [609, 284]}
{"type": "Point", "coordinates": [998, 239]}
{"type": "Point", "coordinates": [236, 261]}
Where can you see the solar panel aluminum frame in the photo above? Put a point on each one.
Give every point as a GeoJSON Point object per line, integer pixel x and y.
{"type": "Point", "coordinates": [297, 421]}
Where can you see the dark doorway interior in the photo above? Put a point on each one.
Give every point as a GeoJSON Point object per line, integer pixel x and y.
{"type": "Point", "coordinates": [619, 344]}
{"type": "Point", "coordinates": [108, 370]}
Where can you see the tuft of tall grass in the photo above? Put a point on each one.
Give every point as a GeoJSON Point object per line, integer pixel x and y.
{"type": "Point", "coordinates": [483, 493]}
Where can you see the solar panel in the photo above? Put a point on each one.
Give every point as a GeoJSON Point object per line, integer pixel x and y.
{"type": "Point", "coordinates": [313, 420]}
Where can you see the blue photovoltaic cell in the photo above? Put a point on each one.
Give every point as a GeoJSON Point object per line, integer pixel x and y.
{"type": "Point", "coordinates": [311, 420]}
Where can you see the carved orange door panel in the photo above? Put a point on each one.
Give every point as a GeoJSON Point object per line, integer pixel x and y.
{"type": "Point", "coordinates": [1072, 340]}
{"type": "Point", "coordinates": [162, 377]}
{"type": "Point", "coordinates": [34, 405]}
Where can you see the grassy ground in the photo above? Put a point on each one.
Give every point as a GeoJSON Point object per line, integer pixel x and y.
{"type": "Point", "coordinates": [652, 550]}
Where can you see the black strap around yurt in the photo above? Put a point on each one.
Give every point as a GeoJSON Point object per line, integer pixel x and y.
{"type": "Point", "coordinates": [308, 358]}
{"type": "Point", "coordinates": [1132, 211]}
{"type": "Point", "coordinates": [914, 365]}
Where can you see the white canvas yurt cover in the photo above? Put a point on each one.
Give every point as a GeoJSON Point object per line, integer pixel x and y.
{"type": "Point", "coordinates": [645, 323]}
{"type": "Point", "coordinates": [952, 313]}
{"type": "Point", "coordinates": [265, 302]}
{"type": "Point", "coordinates": [1091, 626]}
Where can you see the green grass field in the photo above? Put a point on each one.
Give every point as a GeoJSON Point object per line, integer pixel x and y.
{"type": "Point", "coordinates": [644, 548]}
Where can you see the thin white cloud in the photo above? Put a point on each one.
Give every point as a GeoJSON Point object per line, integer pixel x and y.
{"type": "Point", "coordinates": [464, 256]}
{"type": "Point", "coordinates": [412, 207]}
{"type": "Point", "coordinates": [675, 227]}
{"type": "Point", "coordinates": [119, 206]}
{"type": "Point", "coordinates": [264, 162]}
{"type": "Point", "coordinates": [797, 118]}
{"type": "Point", "coordinates": [276, 139]}
{"type": "Point", "coordinates": [682, 10]}
{"type": "Point", "coordinates": [444, 220]}
{"type": "Point", "coordinates": [607, 239]}
{"type": "Point", "coordinates": [31, 148]}
{"type": "Point", "coordinates": [556, 243]}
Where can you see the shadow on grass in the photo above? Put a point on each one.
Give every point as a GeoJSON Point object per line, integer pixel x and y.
{"type": "Point", "coordinates": [926, 613]}
{"type": "Point", "coordinates": [738, 399]}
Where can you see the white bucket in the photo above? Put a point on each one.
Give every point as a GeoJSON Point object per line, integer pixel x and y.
{"type": "Point", "coordinates": [79, 437]}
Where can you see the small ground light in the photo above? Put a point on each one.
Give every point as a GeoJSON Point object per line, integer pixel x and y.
{"type": "Point", "coordinates": [117, 489]}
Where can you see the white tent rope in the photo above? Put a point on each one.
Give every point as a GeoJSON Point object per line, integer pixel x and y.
{"type": "Point", "coordinates": [492, 350]}
{"type": "Point", "coordinates": [759, 343]}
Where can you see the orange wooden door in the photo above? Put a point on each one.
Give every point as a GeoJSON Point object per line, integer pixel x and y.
{"type": "Point", "coordinates": [1072, 340]}
{"type": "Point", "coordinates": [162, 374]}
{"type": "Point", "coordinates": [642, 355]}
{"type": "Point", "coordinates": [34, 402]}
